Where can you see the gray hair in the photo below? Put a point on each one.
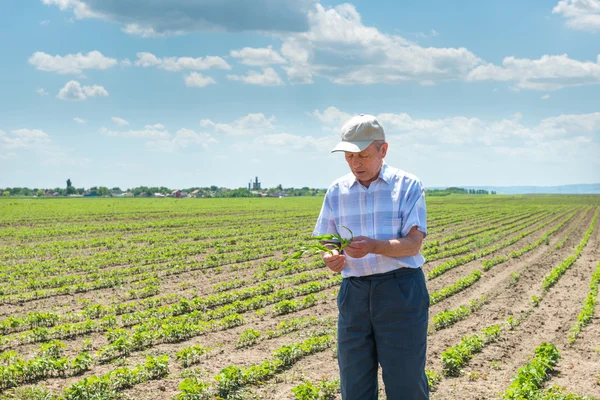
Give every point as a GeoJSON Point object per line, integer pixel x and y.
{"type": "Point", "coordinates": [378, 144]}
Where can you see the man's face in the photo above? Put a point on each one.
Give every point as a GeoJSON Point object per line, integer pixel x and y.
{"type": "Point", "coordinates": [366, 165]}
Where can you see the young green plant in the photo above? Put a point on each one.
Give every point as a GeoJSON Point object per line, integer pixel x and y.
{"type": "Point", "coordinates": [339, 243]}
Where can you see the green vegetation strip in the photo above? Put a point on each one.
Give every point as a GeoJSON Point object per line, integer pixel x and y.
{"type": "Point", "coordinates": [323, 390]}
{"type": "Point", "coordinates": [459, 286]}
{"type": "Point", "coordinates": [530, 378]}
{"type": "Point", "coordinates": [589, 305]}
{"type": "Point", "coordinates": [454, 358]}
{"type": "Point", "coordinates": [448, 265]}
{"type": "Point", "coordinates": [104, 387]}
{"type": "Point", "coordinates": [448, 318]}
{"type": "Point", "coordinates": [551, 279]}
{"type": "Point", "coordinates": [233, 378]}
{"type": "Point", "coordinates": [488, 264]}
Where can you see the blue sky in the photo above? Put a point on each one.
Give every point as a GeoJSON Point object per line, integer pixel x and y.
{"type": "Point", "coordinates": [196, 93]}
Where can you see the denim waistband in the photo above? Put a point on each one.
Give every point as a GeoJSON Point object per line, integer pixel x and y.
{"type": "Point", "coordinates": [397, 273]}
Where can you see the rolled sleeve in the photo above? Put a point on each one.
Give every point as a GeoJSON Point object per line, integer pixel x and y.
{"type": "Point", "coordinates": [415, 212]}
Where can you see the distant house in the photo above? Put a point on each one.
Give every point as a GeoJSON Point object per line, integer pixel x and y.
{"type": "Point", "coordinates": [158, 195]}
{"type": "Point", "coordinates": [176, 193]}
{"type": "Point", "coordinates": [195, 193]}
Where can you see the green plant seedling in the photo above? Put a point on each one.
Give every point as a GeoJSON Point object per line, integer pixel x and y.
{"type": "Point", "coordinates": [323, 241]}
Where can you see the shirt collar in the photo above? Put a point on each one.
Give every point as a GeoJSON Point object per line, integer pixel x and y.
{"type": "Point", "coordinates": [384, 174]}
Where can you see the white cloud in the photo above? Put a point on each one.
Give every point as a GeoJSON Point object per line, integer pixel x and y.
{"type": "Point", "coordinates": [39, 142]}
{"type": "Point", "coordinates": [580, 14]}
{"type": "Point", "coordinates": [545, 97]}
{"type": "Point", "coordinates": [71, 63]}
{"type": "Point", "coordinates": [161, 17]}
{"type": "Point", "coordinates": [267, 78]}
{"type": "Point", "coordinates": [258, 57]}
{"type": "Point", "coordinates": [41, 92]}
{"type": "Point", "coordinates": [79, 120]}
{"type": "Point", "coordinates": [332, 116]}
{"type": "Point", "coordinates": [182, 139]}
{"type": "Point", "coordinates": [119, 121]}
{"type": "Point", "coordinates": [196, 79]}
{"type": "Point", "coordinates": [26, 139]}
{"type": "Point", "coordinates": [157, 131]}
{"type": "Point", "coordinates": [175, 64]}
{"type": "Point", "coordinates": [73, 91]}
{"type": "Point", "coordinates": [95, 91]}
{"type": "Point", "coordinates": [251, 124]}
{"type": "Point", "coordinates": [285, 142]}
{"type": "Point", "coordinates": [547, 73]}
{"type": "Point", "coordinates": [8, 156]}
{"type": "Point", "coordinates": [207, 123]}
{"type": "Point", "coordinates": [80, 9]}
{"type": "Point", "coordinates": [464, 131]}
{"type": "Point", "coordinates": [146, 32]}
{"type": "Point", "coordinates": [44, 22]}
{"type": "Point", "coordinates": [342, 49]}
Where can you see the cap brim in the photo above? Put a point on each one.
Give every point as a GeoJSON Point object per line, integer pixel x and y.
{"type": "Point", "coordinates": [353, 147]}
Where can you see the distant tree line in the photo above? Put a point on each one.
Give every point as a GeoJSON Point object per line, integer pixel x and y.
{"type": "Point", "coordinates": [456, 190]}
{"type": "Point", "coordinates": [150, 191]}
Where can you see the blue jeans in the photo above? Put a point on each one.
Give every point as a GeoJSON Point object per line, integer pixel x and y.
{"type": "Point", "coordinates": [383, 320]}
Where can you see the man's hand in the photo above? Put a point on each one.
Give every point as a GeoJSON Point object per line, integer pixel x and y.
{"type": "Point", "coordinates": [335, 262]}
{"type": "Point", "coordinates": [360, 246]}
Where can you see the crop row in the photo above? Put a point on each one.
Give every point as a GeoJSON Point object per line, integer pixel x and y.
{"type": "Point", "coordinates": [232, 303]}
{"type": "Point", "coordinates": [49, 319]}
{"type": "Point", "coordinates": [488, 264]}
{"type": "Point", "coordinates": [233, 378]}
{"type": "Point", "coordinates": [473, 237]}
{"type": "Point", "coordinates": [559, 270]}
{"type": "Point", "coordinates": [589, 305]}
{"type": "Point", "coordinates": [454, 358]}
{"type": "Point", "coordinates": [448, 265]}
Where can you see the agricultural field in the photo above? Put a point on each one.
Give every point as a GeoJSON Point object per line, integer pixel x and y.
{"type": "Point", "coordinates": [200, 298]}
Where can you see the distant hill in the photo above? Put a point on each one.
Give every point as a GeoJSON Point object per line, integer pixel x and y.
{"type": "Point", "coordinates": [593, 188]}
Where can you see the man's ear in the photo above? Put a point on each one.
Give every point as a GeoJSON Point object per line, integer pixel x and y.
{"type": "Point", "coordinates": [384, 148]}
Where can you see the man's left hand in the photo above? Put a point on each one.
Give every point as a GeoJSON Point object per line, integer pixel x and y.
{"type": "Point", "coordinates": [360, 246]}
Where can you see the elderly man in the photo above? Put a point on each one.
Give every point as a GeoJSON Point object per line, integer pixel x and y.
{"type": "Point", "coordinates": [383, 301]}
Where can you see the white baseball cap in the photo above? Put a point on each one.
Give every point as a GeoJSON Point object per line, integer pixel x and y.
{"type": "Point", "coordinates": [358, 133]}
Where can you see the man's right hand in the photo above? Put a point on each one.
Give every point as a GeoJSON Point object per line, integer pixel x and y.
{"type": "Point", "coordinates": [335, 262]}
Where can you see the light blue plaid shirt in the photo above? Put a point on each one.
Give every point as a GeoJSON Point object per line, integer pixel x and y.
{"type": "Point", "coordinates": [388, 209]}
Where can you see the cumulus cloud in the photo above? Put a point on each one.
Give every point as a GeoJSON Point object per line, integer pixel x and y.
{"type": "Point", "coordinates": [182, 139]}
{"type": "Point", "coordinates": [26, 139]}
{"type": "Point", "coordinates": [159, 139]}
{"type": "Point", "coordinates": [157, 131]}
{"type": "Point", "coordinates": [580, 14]}
{"type": "Point", "coordinates": [331, 116]}
{"type": "Point", "coordinates": [196, 79]}
{"type": "Point", "coordinates": [71, 63]}
{"type": "Point", "coordinates": [79, 120]}
{"type": "Point", "coordinates": [169, 17]}
{"type": "Point", "coordinates": [119, 121]}
{"type": "Point", "coordinates": [339, 47]}
{"type": "Point", "coordinates": [247, 125]}
{"type": "Point", "coordinates": [547, 73]}
{"type": "Point", "coordinates": [258, 57]}
{"type": "Point", "coordinates": [42, 92]}
{"type": "Point", "coordinates": [286, 142]}
{"type": "Point", "coordinates": [175, 64]}
{"type": "Point", "coordinates": [73, 91]}
{"type": "Point", "coordinates": [267, 78]}
{"type": "Point", "coordinates": [464, 131]}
